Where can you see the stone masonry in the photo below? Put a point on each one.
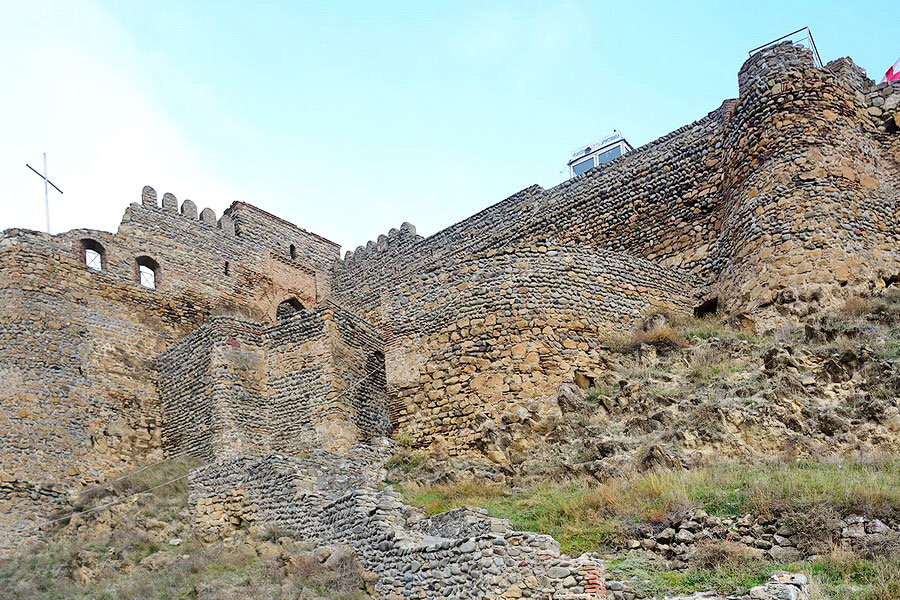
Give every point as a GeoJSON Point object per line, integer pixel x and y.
{"type": "Point", "coordinates": [258, 348]}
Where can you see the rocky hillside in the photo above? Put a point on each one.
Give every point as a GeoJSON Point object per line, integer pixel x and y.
{"type": "Point", "coordinates": [707, 459]}
{"type": "Point", "coordinates": [708, 456]}
{"type": "Point", "coordinates": [135, 544]}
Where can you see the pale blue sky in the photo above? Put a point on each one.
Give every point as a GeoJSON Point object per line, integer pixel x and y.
{"type": "Point", "coordinates": [349, 118]}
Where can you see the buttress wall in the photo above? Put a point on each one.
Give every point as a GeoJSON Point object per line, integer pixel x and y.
{"type": "Point", "coordinates": [234, 387]}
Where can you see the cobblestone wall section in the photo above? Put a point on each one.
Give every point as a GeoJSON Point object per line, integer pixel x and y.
{"type": "Point", "coordinates": [211, 388]}
{"type": "Point", "coordinates": [494, 330]}
{"type": "Point", "coordinates": [326, 380]}
{"type": "Point", "coordinates": [659, 202]}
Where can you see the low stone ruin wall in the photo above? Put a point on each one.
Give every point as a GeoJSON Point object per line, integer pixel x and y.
{"type": "Point", "coordinates": [682, 539]}
{"type": "Point", "coordinates": [388, 537]}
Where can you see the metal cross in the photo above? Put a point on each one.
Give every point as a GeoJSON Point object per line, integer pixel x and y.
{"type": "Point", "coordinates": [46, 192]}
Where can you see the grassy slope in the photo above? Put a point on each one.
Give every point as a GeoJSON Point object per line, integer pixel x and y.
{"type": "Point", "coordinates": [586, 516]}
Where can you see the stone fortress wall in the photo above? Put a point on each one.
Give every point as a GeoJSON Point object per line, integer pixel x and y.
{"type": "Point", "coordinates": [782, 200]}
{"type": "Point", "coordinates": [78, 401]}
{"type": "Point", "coordinates": [811, 204]}
{"type": "Point", "coordinates": [493, 330]}
{"type": "Point", "coordinates": [666, 201]}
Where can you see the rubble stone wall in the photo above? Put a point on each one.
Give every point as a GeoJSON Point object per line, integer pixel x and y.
{"type": "Point", "coordinates": [260, 227]}
{"type": "Point", "coordinates": [278, 492]}
{"type": "Point", "coordinates": [236, 387]}
{"type": "Point", "coordinates": [211, 387]}
{"type": "Point", "coordinates": [508, 326]}
{"type": "Point", "coordinates": [193, 253]}
{"type": "Point", "coordinates": [680, 537]}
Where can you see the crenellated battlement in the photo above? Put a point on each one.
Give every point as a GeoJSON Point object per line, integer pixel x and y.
{"type": "Point", "coordinates": [188, 210]}
{"type": "Point", "coordinates": [395, 239]}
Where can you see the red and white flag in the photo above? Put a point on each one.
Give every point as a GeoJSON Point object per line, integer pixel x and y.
{"type": "Point", "coordinates": [893, 74]}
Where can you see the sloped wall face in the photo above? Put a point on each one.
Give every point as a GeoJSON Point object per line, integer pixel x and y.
{"type": "Point", "coordinates": [811, 203]}
{"type": "Point", "coordinates": [77, 395]}
{"type": "Point", "coordinates": [494, 330]}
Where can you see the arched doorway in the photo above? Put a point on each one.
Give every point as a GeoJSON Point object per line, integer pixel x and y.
{"type": "Point", "coordinates": [287, 308]}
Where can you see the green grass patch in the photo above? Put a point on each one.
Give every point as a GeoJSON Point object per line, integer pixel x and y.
{"type": "Point", "coordinates": [836, 577]}
{"type": "Point", "coordinates": [586, 515]}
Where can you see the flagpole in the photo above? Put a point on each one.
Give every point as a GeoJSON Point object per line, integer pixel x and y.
{"type": "Point", "coordinates": [46, 194]}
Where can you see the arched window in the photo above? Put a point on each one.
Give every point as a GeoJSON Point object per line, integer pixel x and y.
{"type": "Point", "coordinates": [93, 254]}
{"type": "Point", "coordinates": [293, 251]}
{"type": "Point", "coordinates": [148, 272]}
{"type": "Point", "coordinates": [287, 308]}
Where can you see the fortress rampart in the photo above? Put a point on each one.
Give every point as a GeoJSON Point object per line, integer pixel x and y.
{"type": "Point", "coordinates": [496, 329]}
{"type": "Point", "coordinates": [811, 202]}
{"type": "Point", "coordinates": [257, 338]}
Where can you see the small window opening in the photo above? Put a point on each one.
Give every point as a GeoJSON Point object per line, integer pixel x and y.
{"type": "Point", "coordinates": [93, 254]}
{"type": "Point", "coordinates": [293, 251]}
{"type": "Point", "coordinates": [148, 272]}
{"type": "Point", "coordinates": [287, 308]}
{"type": "Point", "coordinates": [93, 259]}
{"type": "Point", "coordinates": [892, 280]}
{"type": "Point", "coordinates": [707, 307]}
{"type": "Point", "coordinates": [227, 269]}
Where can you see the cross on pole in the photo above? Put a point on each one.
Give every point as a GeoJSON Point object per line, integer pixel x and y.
{"type": "Point", "coordinates": [46, 191]}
